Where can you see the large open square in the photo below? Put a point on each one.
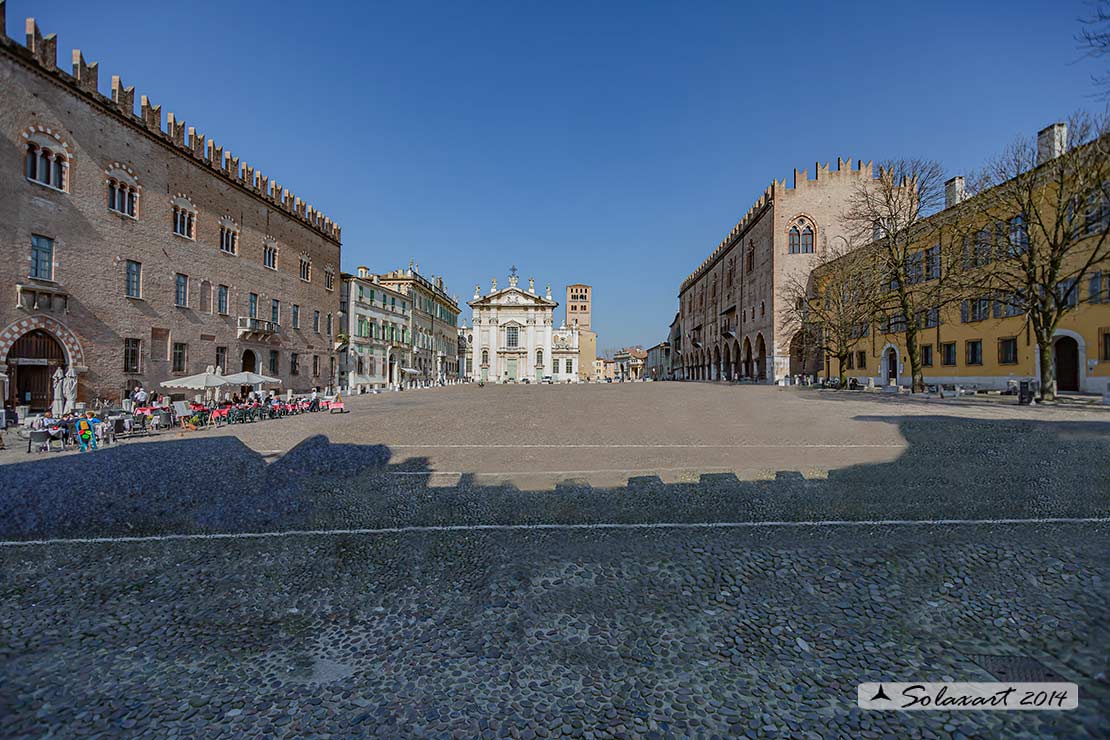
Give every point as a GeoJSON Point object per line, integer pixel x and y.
{"type": "Point", "coordinates": [538, 561]}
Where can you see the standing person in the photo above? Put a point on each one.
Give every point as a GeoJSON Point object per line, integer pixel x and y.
{"type": "Point", "coordinates": [139, 397]}
{"type": "Point", "coordinates": [314, 400]}
{"type": "Point", "coordinates": [86, 431]}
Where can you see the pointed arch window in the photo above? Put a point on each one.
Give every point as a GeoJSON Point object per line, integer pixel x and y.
{"type": "Point", "coordinates": [807, 240]}
{"type": "Point", "coordinates": [123, 190]}
{"type": "Point", "coordinates": [800, 237]}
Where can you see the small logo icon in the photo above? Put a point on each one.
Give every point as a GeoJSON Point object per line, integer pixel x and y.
{"type": "Point", "coordinates": [880, 694]}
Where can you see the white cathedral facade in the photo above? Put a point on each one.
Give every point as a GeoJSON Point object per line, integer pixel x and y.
{"type": "Point", "coordinates": [512, 338]}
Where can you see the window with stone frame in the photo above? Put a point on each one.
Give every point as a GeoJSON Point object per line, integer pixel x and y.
{"type": "Point", "coordinates": [184, 216]}
{"type": "Point", "coordinates": [269, 255]}
{"type": "Point", "coordinates": [133, 285]}
{"type": "Point", "coordinates": [512, 336]}
{"type": "Point", "coordinates": [948, 353]}
{"type": "Point", "coordinates": [46, 162]}
{"type": "Point", "coordinates": [222, 295]}
{"type": "Point", "coordinates": [1007, 351]}
{"type": "Point", "coordinates": [123, 191]}
{"type": "Point", "coordinates": [974, 352]}
{"type": "Point", "coordinates": [799, 237]}
{"type": "Point", "coordinates": [306, 270]}
{"type": "Point", "coordinates": [229, 235]}
{"type": "Point", "coordinates": [926, 355]}
{"type": "Point", "coordinates": [180, 357]}
{"type": "Point", "coordinates": [181, 290]}
{"type": "Point", "coordinates": [132, 355]}
{"type": "Point", "coordinates": [42, 257]}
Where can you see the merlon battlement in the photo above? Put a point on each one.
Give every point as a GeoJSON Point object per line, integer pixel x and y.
{"type": "Point", "coordinates": [84, 79]}
{"type": "Point", "coordinates": [779, 189]}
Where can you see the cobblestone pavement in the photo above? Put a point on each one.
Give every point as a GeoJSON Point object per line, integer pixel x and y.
{"type": "Point", "coordinates": [578, 615]}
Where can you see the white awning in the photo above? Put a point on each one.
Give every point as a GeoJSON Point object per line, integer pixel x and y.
{"type": "Point", "coordinates": [410, 370]}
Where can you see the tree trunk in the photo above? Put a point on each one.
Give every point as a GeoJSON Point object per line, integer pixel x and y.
{"type": "Point", "coordinates": [842, 362]}
{"type": "Point", "coordinates": [917, 376]}
{"type": "Point", "coordinates": [1048, 369]}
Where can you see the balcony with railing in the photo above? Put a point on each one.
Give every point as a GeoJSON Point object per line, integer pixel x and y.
{"type": "Point", "coordinates": [256, 328]}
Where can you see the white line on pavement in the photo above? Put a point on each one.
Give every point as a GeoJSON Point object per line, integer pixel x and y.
{"type": "Point", "coordinates": [525, 474]}
{"type": "Point", "coordinates": [643, 446]}
{"type": "Point", "coordinates": [417, 529]}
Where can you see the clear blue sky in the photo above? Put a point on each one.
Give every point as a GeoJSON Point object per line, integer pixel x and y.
{"type": "Point", "coordinates": [607, 143]}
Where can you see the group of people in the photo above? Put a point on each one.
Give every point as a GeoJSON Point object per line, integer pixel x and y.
{"type": "Point", "coordinates": [271, 398]}
{"type": "Point", "coordinates": [141, 398]}
{"type": "Point", "coordinates": [80, 429]}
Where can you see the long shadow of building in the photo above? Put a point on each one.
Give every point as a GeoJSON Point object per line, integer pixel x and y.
{"type": "Point", "coordinates": [952, 468]}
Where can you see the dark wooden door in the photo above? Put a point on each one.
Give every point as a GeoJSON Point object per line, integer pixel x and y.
{"type": "Point", "coordinates": [1067, 364]}
{"type": "Point", "coordinates": [891, 365]}
{"type": "Point", "coordinates": [33, 358]}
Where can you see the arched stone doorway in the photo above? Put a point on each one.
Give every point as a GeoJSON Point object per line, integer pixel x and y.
{"type": "Point", "coordinates": [715, 369]}
{"type": "Point", "coordinates": [250, 361]}
{"type": "Point", "coordinates": [32, 361]}
{"type": "Point", "coordinates": [747, 358]}
{"type": "Point", "coordinates": [1065, 355]}
{"type": "Point", "coordinates": [890, 366]}
{"type": "Point", "coordinates": [726, 362]}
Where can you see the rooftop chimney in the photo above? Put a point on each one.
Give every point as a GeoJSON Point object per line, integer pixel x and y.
{"type": "Point", "coordinates": [1051, 142]}
{"type": "Point", "coordinates": [954, 191]}
{"type": "Point", "coordinates": [363, 271]}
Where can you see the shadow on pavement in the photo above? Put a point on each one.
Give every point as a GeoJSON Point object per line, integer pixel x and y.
{"type": "Point", "coordinates": [952, 469]}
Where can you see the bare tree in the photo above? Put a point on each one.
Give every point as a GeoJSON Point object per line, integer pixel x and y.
{"type": "Point", "coordinates": [888, 212]}
{"type": "Point", "coordinates": [1049, 202]}
{"type": "Point", "coordinates": [1094, 40]}
{"type": "Point", "coordinates": [832, 311]}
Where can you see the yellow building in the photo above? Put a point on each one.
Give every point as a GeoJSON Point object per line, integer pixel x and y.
{"type": "Point", "coordinates": [977, 339]}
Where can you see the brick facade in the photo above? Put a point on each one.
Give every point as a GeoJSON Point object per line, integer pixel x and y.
{"type": "Point", "coordinates": [731, 308]}
{"type": "Point", "coordinates": [82, 300]}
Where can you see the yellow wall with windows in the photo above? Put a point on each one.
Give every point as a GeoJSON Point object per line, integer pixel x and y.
{"type": "Point", "coordinates": [1088, 323]}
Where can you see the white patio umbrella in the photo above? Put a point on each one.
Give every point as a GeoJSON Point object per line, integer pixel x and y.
{"type": "Point", "coordinates": [249, 378]}
{"type": "Point", "coordinates": [199, 382]}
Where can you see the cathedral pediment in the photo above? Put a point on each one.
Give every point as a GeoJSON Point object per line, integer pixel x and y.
{"type": "Point", "coordinates": [513, 297]}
